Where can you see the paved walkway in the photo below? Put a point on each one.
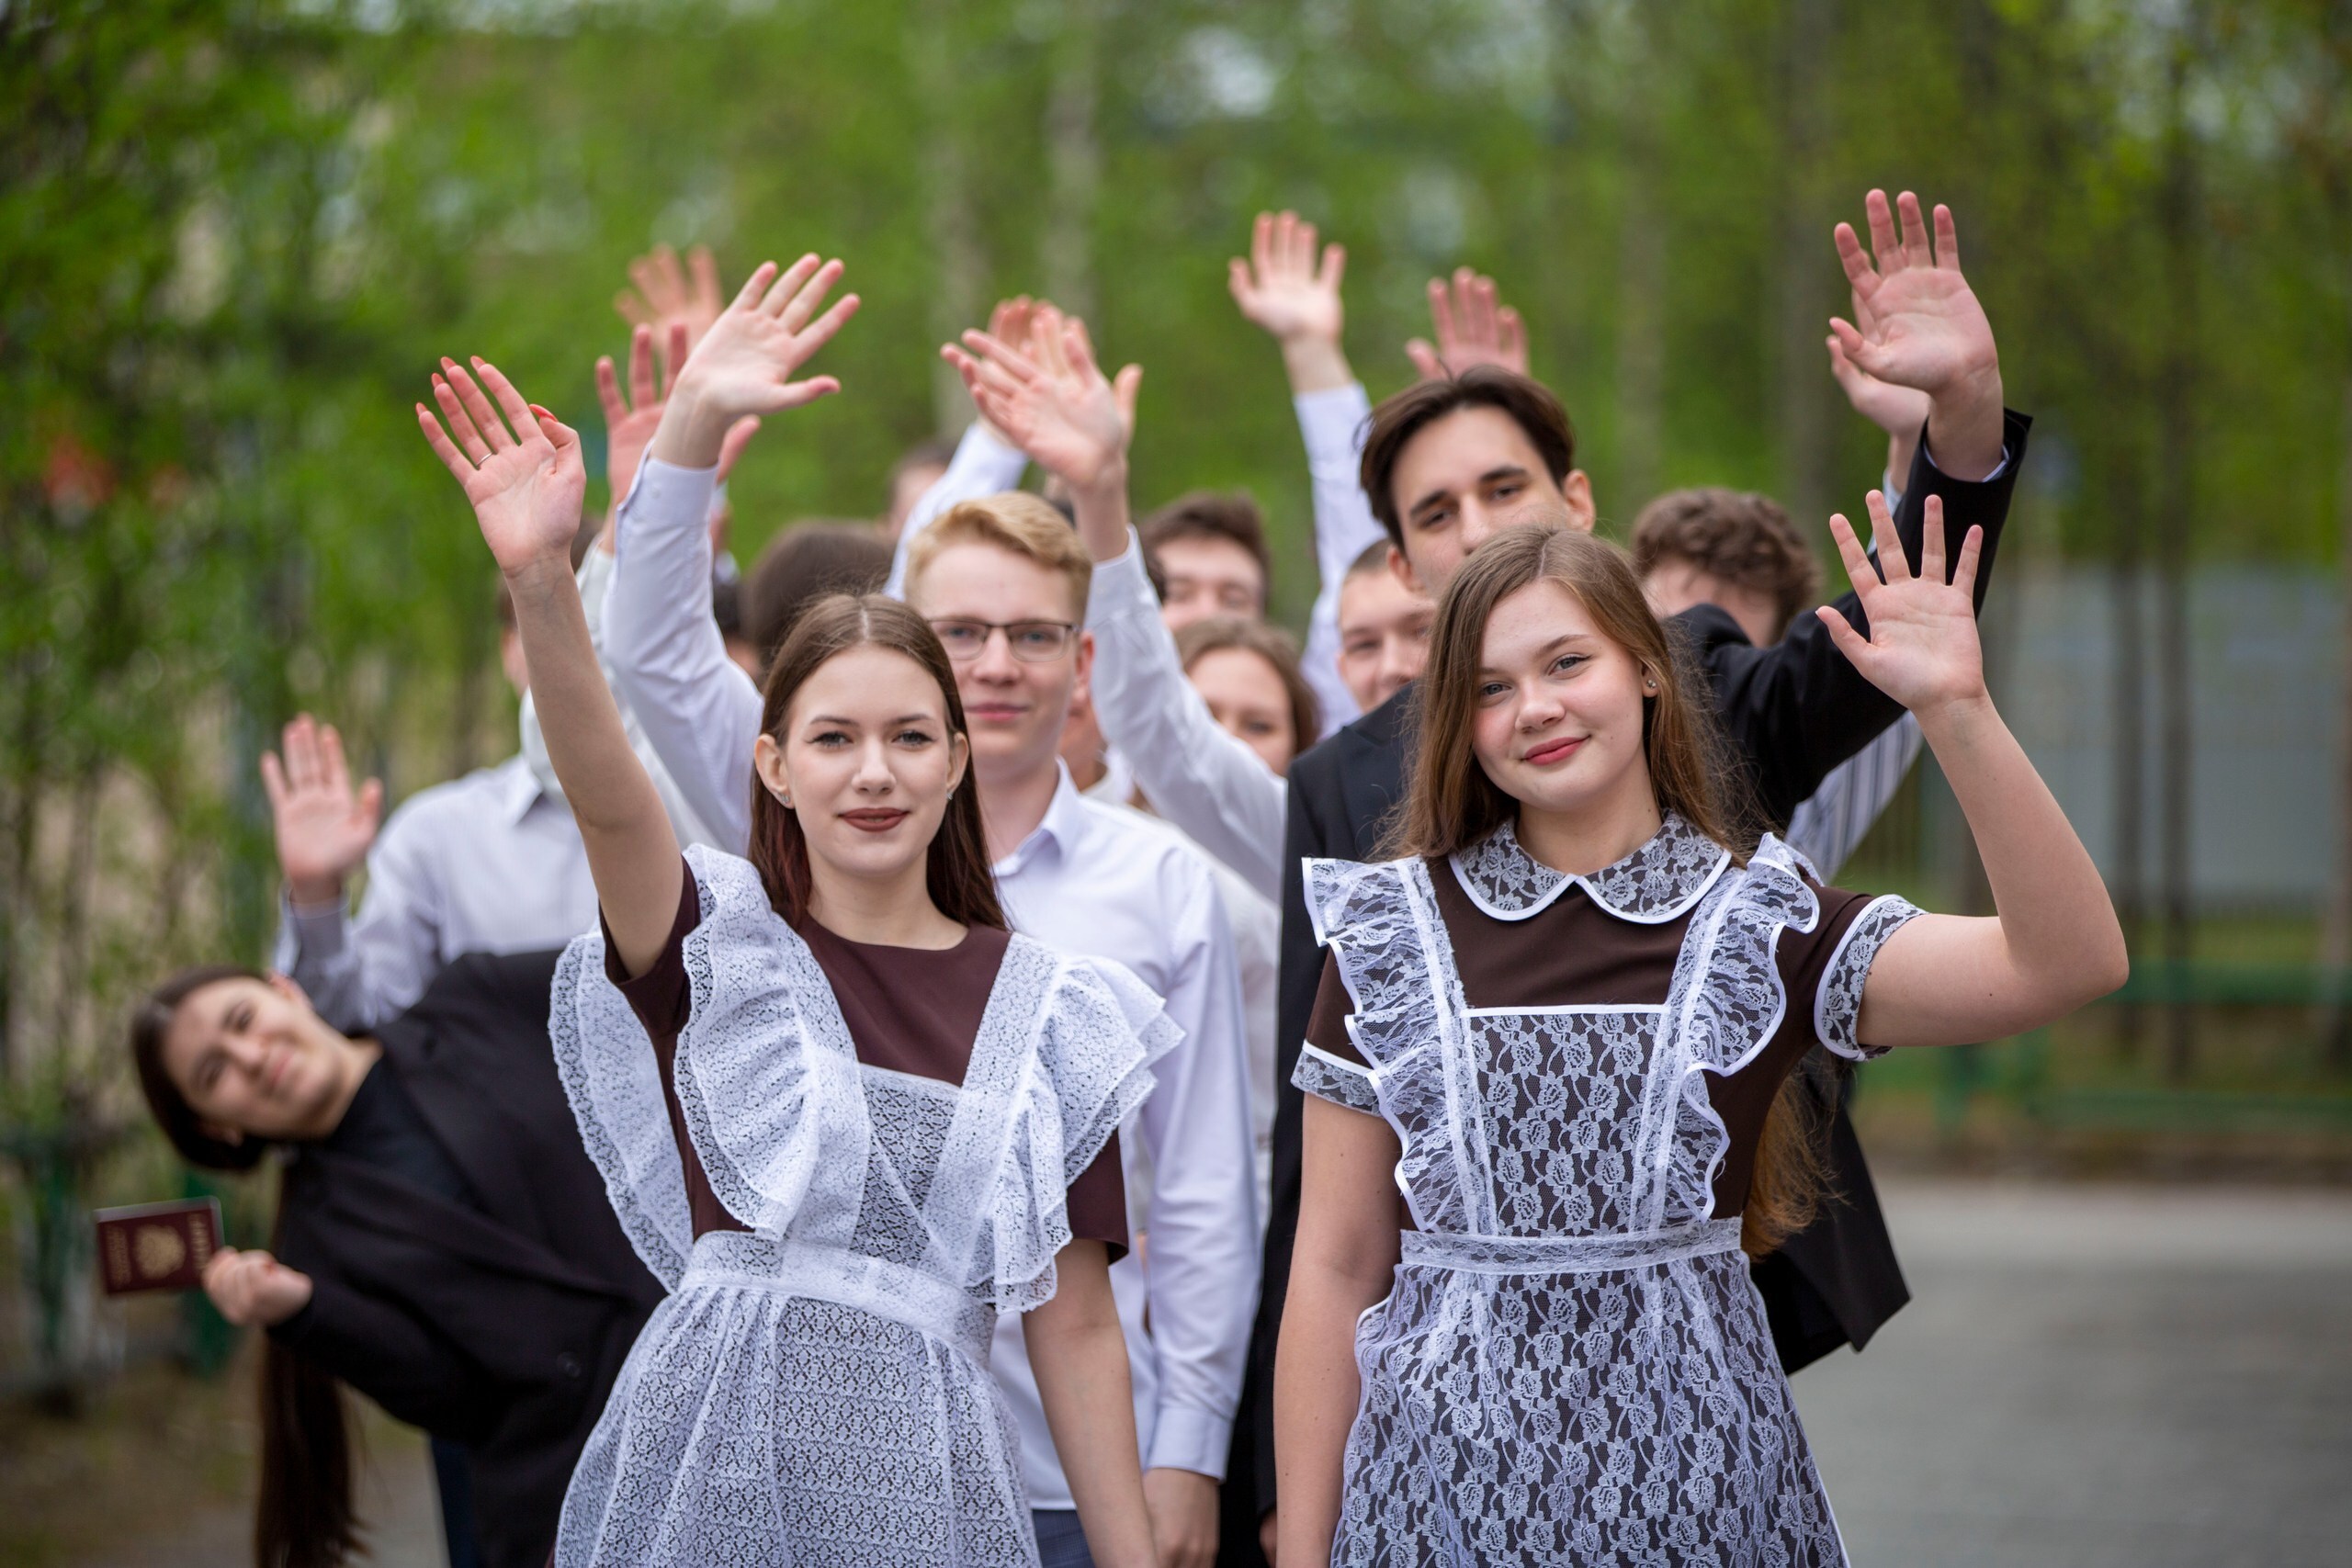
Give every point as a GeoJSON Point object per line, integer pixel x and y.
{"type": "Point", "coordinates": [2096, 1376]}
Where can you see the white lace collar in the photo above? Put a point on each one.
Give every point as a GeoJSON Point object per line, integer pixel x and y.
{"type": "Point", "coordinates": [1655, 884]}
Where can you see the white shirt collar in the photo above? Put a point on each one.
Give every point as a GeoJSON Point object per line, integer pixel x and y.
{"type": "Point", "coordinates": [1662, 879]}
{"type": "Point", "coordinates": [520, 789]}
{"type": "Point", "coordinates": [1064, 820]}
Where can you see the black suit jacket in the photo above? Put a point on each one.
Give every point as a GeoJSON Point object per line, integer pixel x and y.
{"type": "Point", "coordinates": [500, 1329]}
{"type": "Point", "coordinates": [1792, 712]}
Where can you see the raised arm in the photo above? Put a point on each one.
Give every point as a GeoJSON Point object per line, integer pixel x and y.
{"type": "Point", "coordinates": [1059, 408]}
{"type": "Point", "coordinates": [526, 488]}
{"type": "Point", "coordinates": [984, 462]}
{"type": "Point", "coordinates": [1293, 292]}
{"type": "Point", "coordinates": [699, 711]}
{"type": "Point", "coordinates": [2054, 942]}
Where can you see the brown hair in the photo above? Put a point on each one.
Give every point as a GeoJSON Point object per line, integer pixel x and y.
{"type": "Point", "coordinates": [1738, 536]}
{"type": "Point", "coordinates": [1453, 804]}
{"type": "Point", "coordinates": [303, 1516]}
{"type": "Point", "coordinates": [1371, 559]}
{"type": "Point", "coordinates": [1399, 419]}
{"type": "Point", "coordinates": [801, 565]}
{"type": "Point", "coordinates": [1269, 643]}
{"type": "Point", "coordinates": [958, 878]}
{"type": "Point", "coordinates": [1026, 524]}
{"type": "Point", "coordinates": [1228, 516]}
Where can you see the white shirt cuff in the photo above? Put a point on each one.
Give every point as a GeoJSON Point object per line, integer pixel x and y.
{"type": "Point", "coordinates": [1998, 468]}
{"type": "Point", "coordinates": [1185, 1438]}
{"type": "Point", "coordinates": [317, 929]}
{"type": "Point", "coordinates": [666, 496]}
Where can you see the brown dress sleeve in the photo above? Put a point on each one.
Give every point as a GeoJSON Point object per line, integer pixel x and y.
{"type": "Point", "coordinates": [1098, 1202]}
{"type": "Point", "coordinates": [663, 1000]}
{"type": "Point", "coordinates": [1326, 1027]}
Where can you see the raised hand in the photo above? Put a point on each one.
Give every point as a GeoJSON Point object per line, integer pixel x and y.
{"type": "Point", "coordinates": [745, 365]}
{"type": "Point", "coordinates": [325, 827]}
{"type": "Point", "coordinates": [668, 300]}
{"type": "Point", "coordinates": [1898, 410]}
{"type": "Point", "coordinates": [253, 1289]}
{"type": "Point", "coordinates": [630, 420]}
{"type": "Point", "coordinates": [1054, 402]}
{"type": "Point", "coordinates": [1927, 328]}
{"type": "Point", "coordinates": [1922, 649]}
{"type": "Point", "coordinates": [525, 487]}
{"type": "Point", "coordinates": [1473, 327]}
{"type": "Point", "coordinates": [1285, 286]}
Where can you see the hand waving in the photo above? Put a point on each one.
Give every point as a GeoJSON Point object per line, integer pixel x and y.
{"type": "Point", "coordinates": [1473, 327]}
{"type": "Point", "coordinates": [1054, 402]}
{"type": "Point", "coordinates": [1925, 329]}
{"type": "Point", "coordinates": [1922, 649]}
{"type": "Point", "coordinates": [1900, 412]}
{"type": "Point", "coordinates": [1284, 287]}
{"type": "Point", "coordinates": [325, 827]}
{"type": "Point", "coordinates": [525, 487]}
{"type": "Point", "coordinates": [745, 365]}
{"type": "Point", "coordinates": [631, 420]}
{"type": "Point", "coordinates": [668, 300]}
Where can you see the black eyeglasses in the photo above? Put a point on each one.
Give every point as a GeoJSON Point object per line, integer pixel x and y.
{"type": "Point", "coordinates": [1032, 642]}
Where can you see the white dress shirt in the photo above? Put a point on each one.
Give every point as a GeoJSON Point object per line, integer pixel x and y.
{"type": "Point", "coordinates": [491, 863]}
{"type": "Point", "coordinates": [1195, 773]}
{"type": "Point", "coordinates": [1333, 423]}
{"type": "Point", "coordinates": [1093, 880]}
{"type": "Point", "coordinates": [1829, 823]}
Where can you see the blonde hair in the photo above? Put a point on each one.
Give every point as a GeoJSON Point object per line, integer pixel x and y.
{"type": "Point", "coordinates": [1016, 522]}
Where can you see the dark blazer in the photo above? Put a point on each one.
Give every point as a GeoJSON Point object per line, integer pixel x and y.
{"type": "Point", "coordinates": [500, 1329]}
{"type": "Point", "coordinates": [1792, 712]}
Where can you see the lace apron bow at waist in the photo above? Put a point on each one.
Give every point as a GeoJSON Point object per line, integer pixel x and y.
{"type": "Point", "coordinates": [746, 1260]}
{"type": "Point", "coordinates": [1568, 1253]}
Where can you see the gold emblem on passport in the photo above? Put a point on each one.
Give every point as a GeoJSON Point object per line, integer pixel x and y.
{"type": "Point", "coordinates": [157, 1247]}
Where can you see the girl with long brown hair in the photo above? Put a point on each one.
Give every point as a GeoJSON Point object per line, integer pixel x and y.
{"type": "Point", "coordinates": [1557, 1024]}
{"type": "Point", "coordinates": [871, 1117]}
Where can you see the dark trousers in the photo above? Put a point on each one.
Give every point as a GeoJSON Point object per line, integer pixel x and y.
{"type": "Point", "coordinates": [453, 1477]}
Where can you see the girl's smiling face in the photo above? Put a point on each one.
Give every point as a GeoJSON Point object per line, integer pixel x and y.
{"type": "Point", "coordinates": [1559, 715]}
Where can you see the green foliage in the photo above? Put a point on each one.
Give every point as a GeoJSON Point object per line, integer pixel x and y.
{"type": "Point", "coordinates": [234, 235]}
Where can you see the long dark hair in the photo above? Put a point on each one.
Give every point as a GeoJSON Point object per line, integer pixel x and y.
{"type": "Point", "coordinates": [959, 880]}
{"type": "Point", "coordinates": [303, 1516]}
{"type": "Point", "coordinates": [1453, 804]}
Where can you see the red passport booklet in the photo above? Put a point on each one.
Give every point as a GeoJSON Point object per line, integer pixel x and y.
{"type": "Point", "coordinates": [157, 1247]}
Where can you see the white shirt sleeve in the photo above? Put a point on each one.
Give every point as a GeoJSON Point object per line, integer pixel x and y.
{"type": "Point", "coordinates": [1203, 1279]}
{"type": "Point", "coordinates": [983, 465]}
{"type": "Point", "coordinates": [1198, 777]}
{"type": "Point", "coordinates": [1830, 823]}
{"type": "Point", "coordinates": [1332, 423]}
{"type": "Point", "coordinates": [668, 659]}
{"type": "Point", "coordinates": [359, 971]}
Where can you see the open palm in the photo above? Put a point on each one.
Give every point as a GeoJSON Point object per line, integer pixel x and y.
{"type": "Point", "coordinates": [325, 827]}
{"type": "Point", "coordinates": [1285, 286]}
{"type": "Point", "coordinates": [745, 365]}
{"type": "Point", "coordinates": [525, 486]}
{"type": "Point", "coordinates": [1921, 326]}
{"type": "Point", "coordinates": [1922, 649]}
{"type": "Point", "coordinates": [1054, 403]}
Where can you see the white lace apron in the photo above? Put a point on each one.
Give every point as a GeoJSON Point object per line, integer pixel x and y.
{"type": "Point", "coordinates": [1573, 1366]}
{"type": "Point", "coordinates": [815, 1391]}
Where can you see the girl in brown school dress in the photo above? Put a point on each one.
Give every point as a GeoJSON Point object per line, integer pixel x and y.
{"type": "Point", "coordinates": [1543, 1071]}
{"type": "Point", "coordinates": [841, 1112]}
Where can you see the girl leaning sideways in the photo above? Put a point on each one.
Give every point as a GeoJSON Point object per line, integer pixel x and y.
{"type": "Point", "coordinates": [1545, 1078]}
{"type": "Point", "coordinates": [843, 1114]}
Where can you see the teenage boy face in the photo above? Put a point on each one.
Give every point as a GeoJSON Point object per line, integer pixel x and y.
{"type": "Point", "coordinates": [1466, 477]}
{"type": "Point", "coordinates": [1383, 636]}
{"type": "Point", "coordinates": [1209, 577]}
{"type": "Point", "coordinates": [1015, 706]}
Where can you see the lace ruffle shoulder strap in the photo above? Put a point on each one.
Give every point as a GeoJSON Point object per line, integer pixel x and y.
{"type": "Point", "coordinates": [610, 1075]}
{"type": "Point", "coordinates": [767, 1075]}
{"type": "Point", "coordinates": [1096, 1034]}
{"type": "Point", "coordinates": [1381, 926]}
